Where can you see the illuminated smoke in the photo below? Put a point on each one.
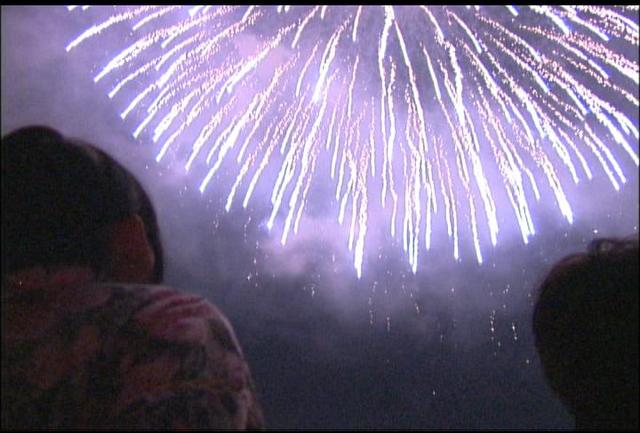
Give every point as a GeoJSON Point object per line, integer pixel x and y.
{"type": "Point", "coordinates": [527, 92]}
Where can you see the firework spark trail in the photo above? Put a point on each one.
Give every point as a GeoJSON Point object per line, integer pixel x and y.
{"type": "Point", "coordinates": [509, 169]}
{"type": "Point", "coordinates": [415, 106]}
{"type": "Point", "coordinates": [304, 69]}
{"type": "Point", "coordinates": [543, 158]}
{"type": "Point", "coordinates": [327, 58]}
{"type": "Point", "coordinates": [382, 47]}
{"type": "Point", "coordinates": [388, 148]}
{"type": "Point", "coordinates": [527, 92]}
{"type": "Point", "coordinates": [355, 24]}
{"type": "Point", "coordinates": [372, 143]}
{"type": "Point", "coordinates": [97, 29]}
{"type": "Point", "coordinates": [265, 160]}
{"type": "Point", "coordinates": [336, 146]}
{"type": "Point", "coordinates": [307, 160]}
{"type": "Point", "coordinates": [243, 172]}
{"type": "Point", "coordinates": [302, 26]}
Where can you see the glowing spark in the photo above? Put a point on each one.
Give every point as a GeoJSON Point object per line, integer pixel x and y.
{"type": "Point", "coordinates": [441, 110]}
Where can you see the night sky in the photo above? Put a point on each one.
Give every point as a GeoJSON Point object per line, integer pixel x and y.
{"type": "Point", "coordinates": [449, 347]}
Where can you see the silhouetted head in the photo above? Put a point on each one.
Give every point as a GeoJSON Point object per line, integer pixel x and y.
{"type": "Point", "coordinates": [586, 329]}
{"type": "Point", "coordinates": [143, 204]}
{"type": "Point", "coordinates": [65, 202]}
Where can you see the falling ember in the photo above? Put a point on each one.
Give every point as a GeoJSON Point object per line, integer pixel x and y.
{"type": "Point", "coordinates": [530, 93]}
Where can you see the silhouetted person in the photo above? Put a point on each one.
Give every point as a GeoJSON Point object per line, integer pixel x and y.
{"type": "Point", "coordinates": [89, 340]}
{"type": "Point", "coordinates": [586, 329]}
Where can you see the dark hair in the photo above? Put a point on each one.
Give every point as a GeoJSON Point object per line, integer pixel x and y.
{"type": "Point", "coordinates": [144, 209]}
{"type": "Point", "coordinates": [59, 198]}
{"type": "Point", "coordinates": [585, 324]}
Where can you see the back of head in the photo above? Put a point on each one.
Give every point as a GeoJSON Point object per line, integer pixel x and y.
{"type": "Point", "coordinates": [586, 328]}
{"type": "Point", "coordinates": [142, 202]}
{"type": "Point", "coordinates": [59, 198]}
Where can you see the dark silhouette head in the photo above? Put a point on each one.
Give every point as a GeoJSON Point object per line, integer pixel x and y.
{"type": "Point", "coordinates": [586, 330]}
{"type": "Point", "coordinates": [61, 199]}
{"type": "Point", "coordinates": [142, 202]}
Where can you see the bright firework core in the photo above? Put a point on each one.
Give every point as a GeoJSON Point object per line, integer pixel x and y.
{"type": "Point", "coordinates": [419, 119]}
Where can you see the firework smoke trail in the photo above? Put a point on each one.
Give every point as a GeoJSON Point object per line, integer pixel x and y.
{"type": "Point", "coordinates": [416, 104]}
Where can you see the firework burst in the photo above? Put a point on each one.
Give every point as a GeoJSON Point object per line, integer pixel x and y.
{"type": "Point", "coordinates": [528, 93]}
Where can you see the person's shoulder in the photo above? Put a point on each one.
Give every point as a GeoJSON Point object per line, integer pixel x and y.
{"type": "Point", "coordinates": [179, 350]}
{"type": "Point", "coordinates": [175, 316]}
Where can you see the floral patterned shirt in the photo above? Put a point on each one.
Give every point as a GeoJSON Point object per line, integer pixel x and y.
{"type": "Point", "coordinates": [127, 356]}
